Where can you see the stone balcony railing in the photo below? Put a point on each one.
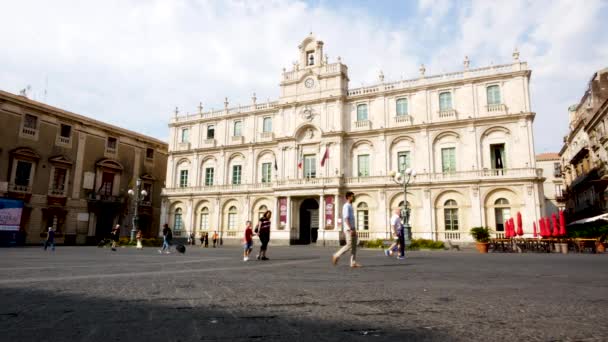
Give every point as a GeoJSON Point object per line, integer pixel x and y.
{"type": "Point", "coordinates": [266, 136]}
{"type": "Point", "coordinates": [29, 131]}
{"type": "Point", "coordinates": [404, 119]}
{"type": "Point", "coordinates": [209, 142]}
{"type": "Point", "coordinates": [236, 139]}
{"type": "Point", "coordinates": [19, 188]}
{"type": "Point", "coordinates": [498, 107]}
{"type": "Point", "coordinates": [365, 124]}
{"type": "Point", "coordinates": [57, 191]}
{"type": "Point", "coordinates": [447, 114]}
{"type": "Point", "coordinates": [63, 140]}
{"type": "Point", "coordinates": [354, 182]}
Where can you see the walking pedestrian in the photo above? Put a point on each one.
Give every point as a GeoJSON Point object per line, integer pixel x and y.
{"type": "Point", "coordinates": [202, 239]}
{"type": "Point", "coordinates": [167, 236]}
{"type": "Point", "coordinates": [264, 234]}
{"type": "Point", "coordinates": [138, 237]}
{"type": "Point", "coordinates": [214, 238]}
{"type": "Point", "coordinates": [398, 234]}
{"type": "Point", "coordinates": [350, 231]}
{"type": "Point", "coordinates": [248, 241]}
{"type": "Point", "coordinates": [115, 235]}
{"type": "Point", "coordinates": [191, 239]}
{"type": "Point", "coordinates": [50, 239]}
{"type": "Point", "coordinates": [206, 240]}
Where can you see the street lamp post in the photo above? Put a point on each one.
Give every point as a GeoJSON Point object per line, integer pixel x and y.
{"type": "Point", "coordinates": [404, 180]}
{"type": "Point", "coordinates": [137, 196]}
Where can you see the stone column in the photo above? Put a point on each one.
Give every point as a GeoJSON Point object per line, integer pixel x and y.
{"type": "Point", "coordinates": [77, 184]}
{"type": "Point", "coordinates": [288, 225]}
{"type": "Point", "coordinates": [337, 215]}
{"type": "Point", "coordinates": [276, 214]}
{"type": "Point", "coordinates": [164, 211]}
{"type": "Point", "coordinates": [189, 217]}
{"type": "Point", "coordinates": [321, 213]}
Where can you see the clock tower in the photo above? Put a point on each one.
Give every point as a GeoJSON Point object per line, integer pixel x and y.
{"type": "Point", "coordinates": [312, 77]}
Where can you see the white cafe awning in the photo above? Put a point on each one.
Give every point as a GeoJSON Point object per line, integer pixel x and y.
{"type": "Point", "coordinates": [591, 219]}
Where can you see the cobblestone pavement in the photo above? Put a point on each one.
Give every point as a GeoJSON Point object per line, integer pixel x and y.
{"type": "Point", "coordinates": [92, 294]}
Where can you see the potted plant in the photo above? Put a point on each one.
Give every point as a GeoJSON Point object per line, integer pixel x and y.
{"type": "Point", "coordinates": [481, 235]}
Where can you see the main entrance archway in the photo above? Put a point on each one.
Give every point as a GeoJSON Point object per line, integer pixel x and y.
{"type": "Point", "coordinates": [309, 222]}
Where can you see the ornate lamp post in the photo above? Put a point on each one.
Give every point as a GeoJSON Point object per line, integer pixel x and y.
{"type": "Point", "coordinates": [404, 180]}
{"type": "Point", "coordinates": [137, 196]}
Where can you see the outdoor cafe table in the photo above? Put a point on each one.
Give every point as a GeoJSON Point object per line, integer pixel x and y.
{"type": "Point", "coordinates": [581, 244]}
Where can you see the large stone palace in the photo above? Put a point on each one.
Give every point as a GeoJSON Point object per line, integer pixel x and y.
{"type": "Point", "coordinates": [468, 134]}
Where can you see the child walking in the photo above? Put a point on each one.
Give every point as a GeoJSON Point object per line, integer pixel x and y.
{"type": "Point", "coordinates": [248, 245]}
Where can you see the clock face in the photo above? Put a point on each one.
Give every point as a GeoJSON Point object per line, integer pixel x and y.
{"type": "Point", "coordinates": [309, 83]}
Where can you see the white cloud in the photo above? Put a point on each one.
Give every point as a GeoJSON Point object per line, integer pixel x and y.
{"type": "Point", "coordinates": [131, 63]}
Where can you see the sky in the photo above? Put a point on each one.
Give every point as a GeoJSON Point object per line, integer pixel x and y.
{"type": "Point", "coordinates": [130, 63]}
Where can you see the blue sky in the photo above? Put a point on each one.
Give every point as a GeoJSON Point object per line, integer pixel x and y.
{"type": "Point", "coordinates": [131, 62]}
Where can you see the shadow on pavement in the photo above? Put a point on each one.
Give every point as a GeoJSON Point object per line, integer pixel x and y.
{"type": "Point", "coordinates": [38, 315]}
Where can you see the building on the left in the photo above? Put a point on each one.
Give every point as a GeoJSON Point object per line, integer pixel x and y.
{"type": "Point", "coordinates": [73, 173]}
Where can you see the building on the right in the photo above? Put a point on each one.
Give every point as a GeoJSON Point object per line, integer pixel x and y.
{"type": "Point", "coordinates": [553, 186]}
{"type": "Point", "coordinates": [584, 155]}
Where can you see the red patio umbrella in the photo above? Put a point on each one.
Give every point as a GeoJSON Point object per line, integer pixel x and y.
{"type": "Point", "coordinates": [555, 227]}
{"type": "Point", "coordinates": [510, 228]}
{"type": "Point", "coordinates": [547, 227]}
{"type": "Point", "coordinates": [562, 224]}
{"type": "Point", "coordinates": [520, 229]}
{"type": "Point", "coordinates": [534, 229]}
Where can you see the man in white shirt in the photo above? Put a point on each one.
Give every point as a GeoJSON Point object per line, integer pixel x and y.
{"type": "Point", "coordinates": [350, 230]}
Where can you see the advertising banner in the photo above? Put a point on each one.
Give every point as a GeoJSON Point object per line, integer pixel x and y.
{"type": "Point", "coordinates": [282, 212]}
{"type": "Point", "coordinates": [329, 212]}
{"type": "Point", "coordinates": [10, 214]}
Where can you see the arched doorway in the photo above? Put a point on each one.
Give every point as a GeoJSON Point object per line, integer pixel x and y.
{"type": "Point", "coordinates": [309, 222]}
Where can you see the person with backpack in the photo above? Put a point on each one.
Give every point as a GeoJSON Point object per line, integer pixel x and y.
{"type": "Point", "coordinates": [167, 236]}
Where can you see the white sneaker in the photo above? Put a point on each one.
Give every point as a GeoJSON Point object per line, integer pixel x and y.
{"type": "Point", "coordinates": [245, 258]}
{"type": "Point", "coordinates": [160, 252]}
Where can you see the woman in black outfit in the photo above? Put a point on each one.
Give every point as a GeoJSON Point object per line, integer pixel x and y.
{"type": "Point", "coordinates": [264, 234]}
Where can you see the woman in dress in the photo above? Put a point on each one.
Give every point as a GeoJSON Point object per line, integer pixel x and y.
{"type": "Point", "coordinates": [139, 237]}
{"type": "Point", "coordinates": [264, 234]}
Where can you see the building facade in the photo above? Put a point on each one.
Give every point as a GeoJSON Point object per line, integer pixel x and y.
{"type": "Point", "coordinates": [553, 186]}
{"type": "Point", "coordinates": [73, 172]}
{"type": "Point", "coordinates": [584, 155]}
{"type": "Point", "coordinates": [468, 134]}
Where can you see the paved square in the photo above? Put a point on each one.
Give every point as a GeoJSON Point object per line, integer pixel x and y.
{"type": "Point", "coordinates": [91, 294]}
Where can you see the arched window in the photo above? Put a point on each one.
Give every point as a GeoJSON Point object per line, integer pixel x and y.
{"type": "Point", "coordinates": [185, 135]}
{"type": "Point", "coordinates": [450, 215]}
{"type": "Point", "coordinates": [408, 205]}
{"type": "Point", "coordinates": [401, 107]}
{"type": "Point", "coordinates": [493, 94]}
{"type": "Point", "coordinates": [362, 112]}
{"type": "Point", "coordinates": [502, 212]}
{"type": "Point", "coordinates": [232, 218]}
{"type": "Point", "coordinates": [177, 221]}
{"type": "Point", "coordinates": [261, 211]}
{"type": "Point", "coordinates": [362, 216]}
{"type": "Point", "coordinates": [445, 101]}
{"type": "Point", "coordinates": [204, 219]}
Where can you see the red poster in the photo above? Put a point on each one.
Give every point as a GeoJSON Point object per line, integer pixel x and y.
{"type": "Point", "coordinates": [282, 212]}
{"type": "Point", "coordinates": [329, 212]}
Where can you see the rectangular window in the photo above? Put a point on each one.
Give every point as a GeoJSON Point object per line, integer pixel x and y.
{"type": "Point", "coordinates": [209, 175]}
{"type": "Point", "coordinates": [65, 131]}
{"type": "Point", "coordinates": [362, 112]}
{"type": "Point", "coordinates": [211, 132]}
{"type": "Point", "coordinates": [362, 219]}
{"type": "Point", "coordinates": [363, 165]}
{"type": "Point", "coordinates": [448, 159]}
{"type": "Point", "coordinates": [111, 145]}
{"type": "Point", "coordinates": [557, 170]}
{"type": "Point", "coordinates": [266, 172]}
{"type": "Point", "coordinates": [204, 221]}
{"type": "Point", "coordinates": [185, 135]}
{"type": "Point", "coordinates": [403, 161]}
{"type": "Point", "coordinates": [236, 174]}
{"type": "Point", "coordinates": [238, 126]}
{"type": "Point", "coordinates": [183, 178]}
{"type": "Point", "coordinates": [310, 166]}
{"type": "Point", "coordinates": [451, 219]}
{"type": "Point", "coordinates": [267, 125]}
{"type": "Point", "coordinates": [493, 94]}
{"type": "Point", "coordinates": [59, 177]}
{"type": "Point", "coordinates": [445, 101]}
{"type": "Point", "coordinates": [150, 153]}
{"type": "Point", "coordinates": [231, 221]}
{"type": "Point", "coordinates": [401, 107]}
{"type": "Point", "coordinates": [23, 173]}
{"type": "Point", "coordinates": [107, 184]}
{"type": "Point", "coordinates": [497, 152]}
{"type": "Point", "coordinates": [30, 122]}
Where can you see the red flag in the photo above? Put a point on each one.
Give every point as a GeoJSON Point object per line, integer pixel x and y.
{"type": "Point", "coordinates": [325, 156]}
{"type": "Point", "coordinates": [300, 161]}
